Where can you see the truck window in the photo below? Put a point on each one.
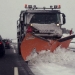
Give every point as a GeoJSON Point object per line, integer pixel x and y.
{"type": "Point", "coordinates": [44, 18]}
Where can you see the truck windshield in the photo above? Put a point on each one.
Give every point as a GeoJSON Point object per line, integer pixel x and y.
{"type": "Point", "coordinates": [45, 18]}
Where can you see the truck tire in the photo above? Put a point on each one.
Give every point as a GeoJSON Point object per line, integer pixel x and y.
{"type": "Point", "coordinates": [19, 50]}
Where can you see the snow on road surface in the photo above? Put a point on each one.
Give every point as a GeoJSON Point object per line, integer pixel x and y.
{"type": "Point", "coordinates": [14, 42]}
{"type": "Point", "coordinates": [61, 62]}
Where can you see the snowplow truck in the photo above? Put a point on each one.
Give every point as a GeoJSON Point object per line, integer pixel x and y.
{"type": "Point", "coordinates": [41, 29]}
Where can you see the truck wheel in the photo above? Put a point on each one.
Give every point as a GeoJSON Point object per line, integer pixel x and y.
{"type": "Point", "coordinates": [19, 50]}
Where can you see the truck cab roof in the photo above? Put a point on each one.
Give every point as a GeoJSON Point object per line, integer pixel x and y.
{"type": "Point", "coordinates": [40, 11]}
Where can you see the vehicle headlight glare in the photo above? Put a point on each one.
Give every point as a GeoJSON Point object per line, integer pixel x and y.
{"type": "Point", "coordinates": [58, 25]}
{"type": "Point", "coordinates": [31, 24]}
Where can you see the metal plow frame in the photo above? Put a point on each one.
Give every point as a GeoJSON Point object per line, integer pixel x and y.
{"type": "Point", "coordinates": [32, 42]}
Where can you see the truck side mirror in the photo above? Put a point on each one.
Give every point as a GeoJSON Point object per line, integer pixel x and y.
{"type": "Point", "coordinates": [64, 20]}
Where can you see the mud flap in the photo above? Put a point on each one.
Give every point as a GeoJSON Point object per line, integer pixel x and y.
{"type": "Point", "coordinates": [31, 42]}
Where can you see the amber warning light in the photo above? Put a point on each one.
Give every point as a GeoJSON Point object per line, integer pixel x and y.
{"type": "Point", "coordinates": [25, 5]}
{"type": "Point", "coordinates": [34, 7]}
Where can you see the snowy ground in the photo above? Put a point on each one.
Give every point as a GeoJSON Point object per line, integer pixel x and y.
{"type": "Point", "coordinates": [61, 62]}
{"type": "Point", "coordinates": [14, 42]}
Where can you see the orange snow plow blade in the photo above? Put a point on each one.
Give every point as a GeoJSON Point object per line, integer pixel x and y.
{"type": "Point", "coordinates": [32, 42]}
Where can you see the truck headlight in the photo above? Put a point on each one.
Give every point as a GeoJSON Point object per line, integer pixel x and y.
{"type": "Point", "coordinates": [31, 24]}
{"type": "Point", "coordinates": [58, 24]}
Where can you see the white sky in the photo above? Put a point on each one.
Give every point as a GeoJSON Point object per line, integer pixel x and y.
{"type": "Point", "coordinates": [10, 9]}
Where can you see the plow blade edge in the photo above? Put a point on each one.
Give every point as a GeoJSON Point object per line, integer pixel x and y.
{"type": "Point", "coordinates": [32, 42]}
